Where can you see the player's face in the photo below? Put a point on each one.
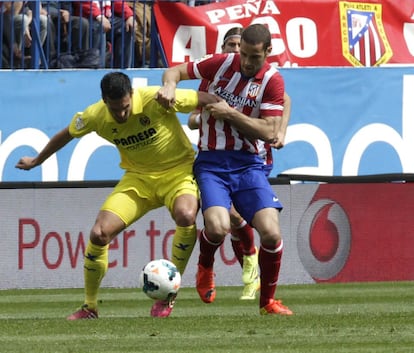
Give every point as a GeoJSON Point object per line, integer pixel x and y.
{"type": "Point", "coordinates": [119, 108]}
{"type": "Point", "coordinates": [232, 45]}
{"type": "Point", "coordinates": [252, 58]}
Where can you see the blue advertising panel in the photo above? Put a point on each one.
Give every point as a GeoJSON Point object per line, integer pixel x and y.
{"type": "Point", "coordinates": [344, 121]}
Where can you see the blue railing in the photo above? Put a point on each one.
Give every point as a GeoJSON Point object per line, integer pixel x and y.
{"type": "Point", "coordinates": [66, 34]}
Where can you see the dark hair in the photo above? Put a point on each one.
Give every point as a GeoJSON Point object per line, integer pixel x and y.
{"type": "Point", "coordinates": [256, 34]}
{"type": "Point", "coordinates": [232, 32]}
{"type": "Point", "coordinates": [115, 85]}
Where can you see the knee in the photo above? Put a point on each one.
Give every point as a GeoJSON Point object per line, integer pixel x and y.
{"type": "Point", "coordinates": [217, 234]}
{"type": "Point", "coordinates": [99, 236]}
{"type": "Point", "coordinates": [185, 216]}
{"type": "Point", "coordinates": [270, 237]}
{"type": "Point", "coordinates": [217, 230]}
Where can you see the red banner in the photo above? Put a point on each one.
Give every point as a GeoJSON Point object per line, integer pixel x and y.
{"type": "Point", "coordinates": [358, 232]}
{"type": "Point", "coordinates": [305, 32]}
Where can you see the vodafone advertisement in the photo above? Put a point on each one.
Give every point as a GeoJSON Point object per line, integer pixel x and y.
{"type": "Point", "coordinates": [304, 32]}
{"type": "Point", "coordinates": [332, 233]}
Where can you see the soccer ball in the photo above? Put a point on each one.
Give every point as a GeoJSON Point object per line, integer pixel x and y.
{"type": "Point", "coordinates": [160, 279]}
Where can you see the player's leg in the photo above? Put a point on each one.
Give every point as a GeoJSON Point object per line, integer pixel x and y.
{"type": "Point", "coordinates": [217, 225]}
{"type": "Point", "coordinates": [106, 227]}
{"type": "Point", "coordinates": [181, 198]}
{"type": "Point", "coordinates": [184, 207]}
{"type": "Point", "coordinates": [266, 221]}
{"type": "Point", "coordinates": [237, 234]}
{"type": "Point", "coordinates": [180, 195]}
{"type": "Point", "coordinates": [242, 240]}
{"type": "Point", "coordinates": [215, 190]}
{"type": "Point", "coordinates": [121, 208]}
{"type": "Point", "coordinates": [262, 212]}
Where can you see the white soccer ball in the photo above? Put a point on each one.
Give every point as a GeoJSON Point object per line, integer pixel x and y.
{"type": "Point", "coordinates": [160, 279]}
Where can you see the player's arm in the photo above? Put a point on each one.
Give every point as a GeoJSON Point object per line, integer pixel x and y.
{"type": "Point", "coordinates": [265, 129]}
{"type": "Point", "coordinates": [171, 76]}
{"type": "Point", "coordinates": [281, 134]}
{"type": "Point", "coordinates": [203, 99]}
{"type": "Point", "coordinates": [57, 142]}
{"type": "Point", "coordinates": [194, 120]}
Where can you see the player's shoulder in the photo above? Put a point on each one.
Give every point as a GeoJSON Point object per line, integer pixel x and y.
{"type": "Point", "coordinates": [272, 74]}
{"type": "Point", "coordinates": [145, 95]}
{"type": "Point", "coordinates": [144, 91]}
{"type": "Point", "coordinates": [94, 110]}
{"type": "Point", "coordinates": [213, 58]}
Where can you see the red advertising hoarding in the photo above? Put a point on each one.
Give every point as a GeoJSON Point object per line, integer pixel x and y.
{"type": "Point", "coordinates": [358, 232]}
{"type": "Point", "coordinates": [331, 232]}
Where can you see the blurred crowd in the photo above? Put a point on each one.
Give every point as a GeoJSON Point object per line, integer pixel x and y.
{"type": "Point", "coordinates": [78, 34]}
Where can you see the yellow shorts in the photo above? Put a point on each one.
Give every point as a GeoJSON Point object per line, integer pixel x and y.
{"type": "Point", "coordinates": [136, 194]}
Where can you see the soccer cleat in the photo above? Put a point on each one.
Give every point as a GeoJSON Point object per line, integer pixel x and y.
{"type": "Point", "coordinates": [205, 284]}
{"type": "Point", "coordinates": [163, 308]}
{"type": "Point", "coordinates": [275, 307]}
{"type": "Point", "coordinates": [83, 313]}
{"type": "Point", "coordinates": [250, 264]}
{"type": "Point", "coordinates": [249, 290]}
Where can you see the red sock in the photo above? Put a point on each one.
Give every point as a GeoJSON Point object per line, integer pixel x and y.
{"type": "Point", "coordinates": [269, 263]}
{"type": "Point", "coordinates": [207, 250]}
{"type": "Point", "coordinates": [246, 235]}
{"type": "Point", "coordinates": [238, 249]}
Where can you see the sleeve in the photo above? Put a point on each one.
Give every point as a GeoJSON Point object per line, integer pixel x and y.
{"type": "Point", "coordinates": [81, 124]}
{"type": "Point", "coordinates": [272, 102]}
{"type": "Point", "coordinates": [186, 100]}
{"type": "Point", "coordinates": [203, 85]}
{"type": "Point", "coordinates": [206, 67]}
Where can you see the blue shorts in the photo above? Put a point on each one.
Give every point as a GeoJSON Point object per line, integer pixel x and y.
{"type": "Point", "coordinates": [267, 168]}
{"type": "Point", "coordinates": [226, 177]}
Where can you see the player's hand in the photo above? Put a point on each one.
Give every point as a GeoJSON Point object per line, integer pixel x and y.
{"type": "Point", "coordinates": [26, 163]}
{"type": "Point", "coordinates": [166, 96]}
{"type": "Point", "coordinates": [219, 110]}
{"type": "Point", "coordinates": [278, 142]}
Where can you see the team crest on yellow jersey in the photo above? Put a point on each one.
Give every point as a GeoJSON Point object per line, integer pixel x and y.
{"type": "Point", "coordinates": [364, 42]}
{"type": "Point", "coordinates": [144, 120]}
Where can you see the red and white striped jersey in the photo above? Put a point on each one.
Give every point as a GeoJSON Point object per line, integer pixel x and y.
{"type": "Point", "coordinates": [256, 97]}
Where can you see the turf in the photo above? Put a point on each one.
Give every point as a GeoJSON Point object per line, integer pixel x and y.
{"type": "Point", "coordinates": [362, 317]}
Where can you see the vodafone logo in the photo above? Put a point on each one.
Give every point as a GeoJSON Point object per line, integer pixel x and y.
{"type": "Point", "coordinates": [324, 239]}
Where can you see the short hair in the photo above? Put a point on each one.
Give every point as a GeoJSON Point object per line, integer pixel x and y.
{"type": "Point", "coordinates": [234, 31]}
{"type": "Point", "coordinates": [115, 85]}
{"type": "Point", "coordinates": [256, 34]}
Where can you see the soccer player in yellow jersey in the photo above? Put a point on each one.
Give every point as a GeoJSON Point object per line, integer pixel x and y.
{"type": "Point", "coordinates": [157, 158]}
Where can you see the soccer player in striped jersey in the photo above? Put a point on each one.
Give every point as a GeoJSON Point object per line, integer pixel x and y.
{"type": "Point", "coordinates": [228, 167]}
{"type": "Point", "coordinates": [242, 234]}
{"type": "Point", "coordinates": [157, 158]}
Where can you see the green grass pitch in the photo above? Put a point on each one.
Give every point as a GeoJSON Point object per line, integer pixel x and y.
{"type": "Point", "coordinates": [348, 318]}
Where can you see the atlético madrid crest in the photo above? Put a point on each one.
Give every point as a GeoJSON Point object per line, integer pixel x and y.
{"type": "Point", "coordinates": [364, 42]}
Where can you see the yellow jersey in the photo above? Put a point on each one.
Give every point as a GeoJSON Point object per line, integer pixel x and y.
{"type": "Point", "coordinates": [152, 139]}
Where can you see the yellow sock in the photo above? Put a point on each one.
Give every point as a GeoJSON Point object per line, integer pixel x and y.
{"type": "Point", "coordinates": [94, 269]}
{"type": "Point", "coordinates": [182, 246]}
